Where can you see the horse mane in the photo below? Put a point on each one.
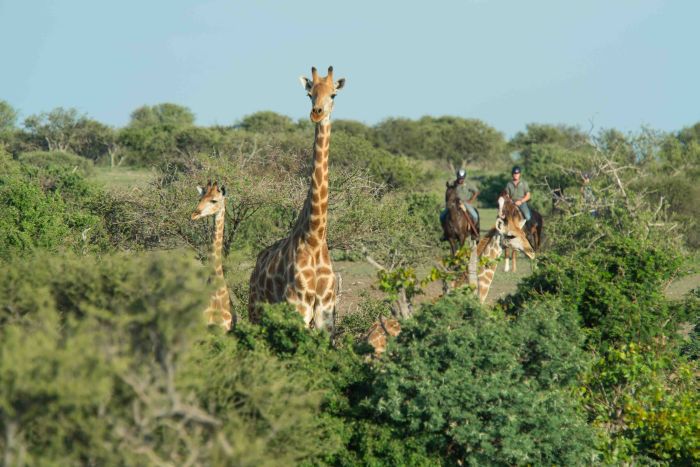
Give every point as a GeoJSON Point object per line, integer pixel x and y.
{"type": "Point", "coordinates": [510, 210]}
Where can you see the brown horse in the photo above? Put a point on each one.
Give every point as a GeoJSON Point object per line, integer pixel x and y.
{"type": "Point", "coordinates": [457, 225]}
{"type": "Point", "coordinates": [532, 228]}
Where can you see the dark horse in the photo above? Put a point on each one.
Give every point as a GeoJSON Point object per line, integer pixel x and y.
{"type": "Point", "coordinates": [532, 228]}
{"type": "Point", "coordinates": [457, 225]}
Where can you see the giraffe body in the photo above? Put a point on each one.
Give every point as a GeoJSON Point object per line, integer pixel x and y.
{"type": "Point", "coordinates": [298, 268]}
{"type": "Point", "coordinates": [213, 203]}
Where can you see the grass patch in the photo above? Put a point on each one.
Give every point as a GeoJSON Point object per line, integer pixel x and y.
{"type": "Point", "coordinates": [122, 178]}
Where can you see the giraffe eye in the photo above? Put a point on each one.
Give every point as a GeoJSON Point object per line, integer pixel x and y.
{"type": "Point", "coordinates": [333, 96]}
{"type": "Point", "coordinates": [214, 201]}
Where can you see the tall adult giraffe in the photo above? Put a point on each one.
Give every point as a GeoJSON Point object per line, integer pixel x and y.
{"type": "Point", "coordinates": [298, 269]}
{"type": "Point", "coordinates": [212, 202]}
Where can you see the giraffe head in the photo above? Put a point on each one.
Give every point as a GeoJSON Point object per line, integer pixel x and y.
{"type": "Point", "coordinates": [322, 91]}
{"type": "Point", "coordinates": [513, 235]}
{"type": "Point", "coordinates": [211, 202]}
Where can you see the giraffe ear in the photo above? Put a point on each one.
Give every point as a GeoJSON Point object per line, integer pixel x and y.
{"type": "Point", "coordinates": [340, 84]}
{"type": "Point", "coordinates": [200, 190]}
{"type": "Point", "coordinates": [306, 83]}
{"type": "Point", "coordinates": [522, 223]}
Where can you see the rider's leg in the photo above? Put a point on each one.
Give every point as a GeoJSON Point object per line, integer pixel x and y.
{"type": "Point", "coordinates": [525, 210]}
{"type": "Point", "coordinates": [472, 212]}
{"type": "Point", "coordinates": [443, 215]}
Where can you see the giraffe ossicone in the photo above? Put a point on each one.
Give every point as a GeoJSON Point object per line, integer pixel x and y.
{"type": "Point", "coordinates": [297, 269]}
{"type": "Point", "coordinates": [212, 202]}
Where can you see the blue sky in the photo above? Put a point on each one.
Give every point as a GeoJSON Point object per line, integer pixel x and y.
{"type": "Point", "coordinates": [604, 64]}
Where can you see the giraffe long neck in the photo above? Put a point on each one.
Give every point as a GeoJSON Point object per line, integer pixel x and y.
{"type": "Point", "coordinates": [314, 216]}
{"type": "Point", "coordinates": [490, 250]}
{"type": "Point", "coordinates": [217, 246]}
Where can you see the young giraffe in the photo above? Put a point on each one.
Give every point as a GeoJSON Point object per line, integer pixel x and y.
{"type": "Point", "coordinates": [298, 268]}
{"type": "Point", "coordinates": [507, 208]}
{"type": "Point", "coordinates": [506, 232]}
{"type": "Point", "coordinates": [213, 203]}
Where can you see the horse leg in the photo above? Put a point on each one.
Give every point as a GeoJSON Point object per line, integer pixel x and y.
{"type": "Point", "coordinates": [514, 253]}
{"type": "Point", "coordinates": [507, 255]}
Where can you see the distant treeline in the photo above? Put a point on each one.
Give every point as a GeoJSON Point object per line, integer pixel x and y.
{"type": "Point", "coordinates": [398, 153]}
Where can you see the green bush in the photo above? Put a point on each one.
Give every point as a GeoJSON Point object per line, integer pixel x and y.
{"type": "Point", "coordinates": [29, 218]}
{"type": "Point", "coordinates": [108, 362]}
{"type": "Point", "coordinates": [58, 160]}
{"type": "Point", "coordinates": [616, 289]}
{"type": "Point", "coordinates": [476, 390]}
{"type": "Point", "coordinates": [646, 402]}
{"type": "Point", "coordinates": [49, 208]}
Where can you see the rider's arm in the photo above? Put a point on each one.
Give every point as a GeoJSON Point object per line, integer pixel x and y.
{"type": "Point", "coordinates": [524, 199]}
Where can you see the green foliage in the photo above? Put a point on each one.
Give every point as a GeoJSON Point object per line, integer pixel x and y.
{"type": "Point", "coordinates": [352, 152]}
{"type": "Point", "coordinates": [397, 279]}
{"type": "Point", "coordinates": [358, 322]}
{"type": "Point", "coordinates": [152, 387]}
{"type": "Point", "coordinates": [449, 139]}
{"type": "Point", "coordinates": [535, 134]}
{"type": "Point", "coordinates": [29, 218]}
{"type": "Point", "coordinates": [673, 180]}
{"type": "Point", "coordinates": [646, 400]}
{"type": "Point", "coordinates": [353, 128]}
{"type": "Point", "coordinates": [615, 288]}
{"type": "Point", "coordinates": [687, 313]}
{"type": "Point", "coordinates": [455, 268]}
{"type": "Point", "coordinates": [166, 115]}
{"type": "Point", "coordinates": [57, 160]}
{"type": "Point", "coordinates": [66, 130]}
{"type": "Point", "coordinates": [267, 122]}
{"type": "Point", "coordinates": [491, 187]}
{"type": "Point", "coordinates": [477, 390]}
{"type": "Point", "coordinates": [8, 116]}
{"type": "Point", "coordinates": [152, 136]}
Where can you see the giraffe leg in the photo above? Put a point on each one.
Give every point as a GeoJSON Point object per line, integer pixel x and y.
{"type": "Point", "coordinates": [324, 315]}
{"type": "Point", "coordinates": [324, 306]}
{"type": "Point", "coordinates": [306, 310]}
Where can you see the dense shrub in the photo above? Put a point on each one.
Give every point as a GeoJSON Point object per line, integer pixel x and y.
{"type": "Point", "coordinates": [646, 401]}
{"type": "Point", "coordinates": [29, 218]}
{"type": "Point", "coordinates": [58, 160]}
{"type": "Point", "coordinates": [615, 288]}
{"type": "Point", "coordinates": [475, 390]}
{"type": "Point", "coordinates": [108, 362]}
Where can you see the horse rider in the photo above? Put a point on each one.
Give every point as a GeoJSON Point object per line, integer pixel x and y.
{"type": "Point", "coordinates": [466, 193]}
{"type": "Point", "coordinates": [519, 192]}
